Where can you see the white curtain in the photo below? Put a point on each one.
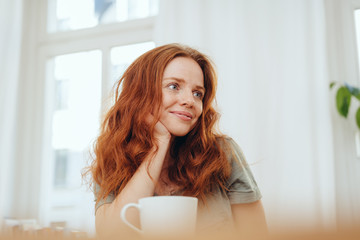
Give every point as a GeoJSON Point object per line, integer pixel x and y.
{"type": "Point", "coordinates": [273, 95]}
{"type": "Point", "coordinates": [10, 45]}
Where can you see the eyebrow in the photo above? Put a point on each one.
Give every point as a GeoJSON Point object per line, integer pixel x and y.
{"type": "Point", "coordinates": [182, 81]}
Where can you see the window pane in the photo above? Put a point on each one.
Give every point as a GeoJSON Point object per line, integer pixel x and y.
{"type": "Point", "coordinates": [76, 116]}
{"type": "Point", "coordinates": [123, 56]}
{"type": "Point", "coordinates": [61, 161]}
{"type": "Point", "coordinates": [64, 15]}
{"type": "Point", "coordinates": [76, 81]}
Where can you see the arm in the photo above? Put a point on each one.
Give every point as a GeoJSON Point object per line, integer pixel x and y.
{"type": "Point", "coordinates": [107, 218]}
{"type": "Point", "coordinates": [249, 218]}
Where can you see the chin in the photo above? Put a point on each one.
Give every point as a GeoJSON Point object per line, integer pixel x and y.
{"type": "Point", "coordinates": [179, 132]}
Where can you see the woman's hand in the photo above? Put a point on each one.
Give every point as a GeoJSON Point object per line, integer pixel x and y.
{"type": "Point", "coordinates": [142, 184]}
{"type": "Point", "coordinates": [161, 133]}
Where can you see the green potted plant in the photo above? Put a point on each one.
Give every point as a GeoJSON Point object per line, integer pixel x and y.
{"type": "Point", "coordinates": [344, 94]}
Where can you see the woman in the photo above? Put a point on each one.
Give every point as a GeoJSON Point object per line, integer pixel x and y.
{"type": "Point", "coordinates": [159, 139]}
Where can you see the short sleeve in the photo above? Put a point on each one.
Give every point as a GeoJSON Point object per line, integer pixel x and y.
{"type": "Point", "coordinates": [109, 199]}
{"type": "Point", "coordinates": [242, 187]}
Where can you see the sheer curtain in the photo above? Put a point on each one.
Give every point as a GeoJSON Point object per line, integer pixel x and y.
{"type": "Point", "coordinates": [10, 45]}
{"type": "Point", "coordinates": [272, 94]}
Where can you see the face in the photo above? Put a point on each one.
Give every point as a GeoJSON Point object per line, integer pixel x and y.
{"type": "Point", "coordinates": [183, 91]}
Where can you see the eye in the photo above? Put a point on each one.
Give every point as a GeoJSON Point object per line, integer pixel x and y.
{"type": "Point", "coordinates": [173, 86]}
{"type": "Point", "coordinates": [198, 94]}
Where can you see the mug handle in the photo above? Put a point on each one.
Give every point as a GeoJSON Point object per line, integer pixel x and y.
{"type": "Point", "coordinates": [123, 217]}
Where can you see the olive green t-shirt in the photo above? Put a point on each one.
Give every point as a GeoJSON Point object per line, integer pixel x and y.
{"type": "Point", "coordinates": [216, 214]}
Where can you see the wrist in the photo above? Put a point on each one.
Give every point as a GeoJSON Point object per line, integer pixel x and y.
{"type": "Point", "coordinates": [163, 140]}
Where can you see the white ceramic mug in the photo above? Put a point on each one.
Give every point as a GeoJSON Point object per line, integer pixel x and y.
{"type": "Point", "coordinates": [164, 215]}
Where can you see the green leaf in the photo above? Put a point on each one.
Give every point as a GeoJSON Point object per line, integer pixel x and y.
{"type": "Point", "coordinates": [343, 98]}
{"type": "Point", "coordinates": [332, 84]}
{"type": "Point", "coordinates": [358, 117]}
{"type": "Point", "coordinates": [353, 90]}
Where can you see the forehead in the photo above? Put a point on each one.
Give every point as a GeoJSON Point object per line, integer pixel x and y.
{"type": "Point", "coordinates": [184, 68]}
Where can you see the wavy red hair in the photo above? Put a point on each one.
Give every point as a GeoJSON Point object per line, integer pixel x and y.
{"type": "Point", "coordinates": [126, 138]}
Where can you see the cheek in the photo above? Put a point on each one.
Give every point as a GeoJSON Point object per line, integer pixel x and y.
{"type": "Point", "coordinates": [165, 104]}
{"type": "Point", "coordinates": [167, 100]}
{"type": "Point", "coordinates": [200, 109]}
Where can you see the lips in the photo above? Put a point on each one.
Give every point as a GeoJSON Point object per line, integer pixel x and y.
{"type": "Point", "coordinates": [183, 115]}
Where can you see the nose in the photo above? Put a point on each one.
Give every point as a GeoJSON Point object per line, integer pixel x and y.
{"type": "Point", "coordinates": [187, 98]}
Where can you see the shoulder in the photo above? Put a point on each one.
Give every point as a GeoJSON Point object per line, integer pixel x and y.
{"type": "Point", "coordinates": [241, 185]}
{"type": "Point", "coordinates": [226, 142]}
{"type": "Point", "coordinates": [232, 150]}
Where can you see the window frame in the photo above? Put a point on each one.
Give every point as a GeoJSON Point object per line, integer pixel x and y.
{"type": "Point", "coordinates": [44, 46]}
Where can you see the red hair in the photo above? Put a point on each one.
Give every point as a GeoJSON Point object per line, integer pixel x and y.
{"type": "Point", "coordinates": [126, 138]}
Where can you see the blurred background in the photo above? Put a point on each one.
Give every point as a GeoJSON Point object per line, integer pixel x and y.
{"type": "Point", "coordinates": [275, 60]}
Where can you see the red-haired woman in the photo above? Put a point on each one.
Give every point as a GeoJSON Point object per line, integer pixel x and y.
{"type": "Point", "coordinates": [159, 139]}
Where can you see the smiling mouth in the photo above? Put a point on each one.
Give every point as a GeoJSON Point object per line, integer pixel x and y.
{"type": "Point", "coordinates": [183, 115]}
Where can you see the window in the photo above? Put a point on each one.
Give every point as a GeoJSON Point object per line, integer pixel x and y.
{"type": "Point", "coordinates": [85, 47]}
{"type": "Point", "coordinates": [122, 56]}
{"type": "Point", "coordinates": [64, 15]}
